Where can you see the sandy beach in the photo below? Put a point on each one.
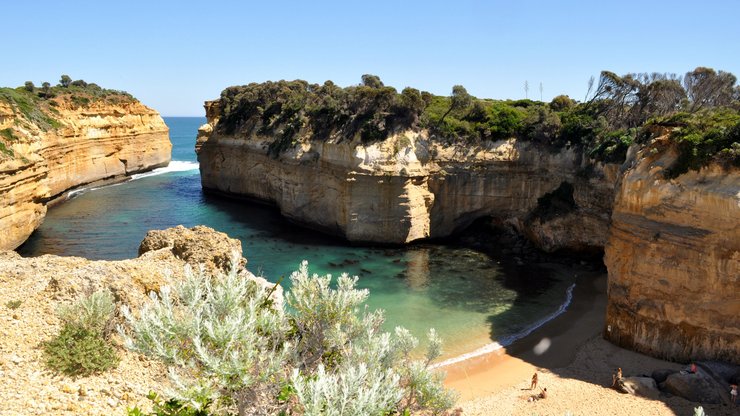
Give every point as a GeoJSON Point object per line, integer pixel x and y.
{"type": "Point", "coordinates": [575, 368]}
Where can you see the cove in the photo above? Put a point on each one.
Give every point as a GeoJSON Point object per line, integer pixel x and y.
{"type": "Point", "coordinates": [472, 299]}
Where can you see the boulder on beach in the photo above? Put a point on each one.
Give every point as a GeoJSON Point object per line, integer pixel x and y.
{"type": "Point", "coordinates": [642, 386]}
{"type": "Point", "coordinates": [661, 375]}
{"type": "Point", "coordinates": [697, 387]}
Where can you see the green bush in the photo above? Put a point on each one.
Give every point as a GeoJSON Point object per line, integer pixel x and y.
{"type": "Point", "coordinates": [14, 304]}
{"type": "Point", "coordinates": [702, 137]}
{"type": "Point", "coordinates": [173, 407]}
{"type": "Point", "coordinates": [82, 346]}
{"type": "Point", "coordinates": [316, 355]}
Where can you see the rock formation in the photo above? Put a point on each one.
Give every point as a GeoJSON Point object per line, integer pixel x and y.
{"type": "Point", "coordinates": [672, 246]}
{"type": "Point", "coordinates": [673, 257]}
{"type": "Point", "coordinates": [43, 156]}
{"type": "Point", "coordinates": [42, 284]}
{"type": "Point", "coordinates": [409, 187]}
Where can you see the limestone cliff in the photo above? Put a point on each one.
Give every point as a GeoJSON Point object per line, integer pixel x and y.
{"type": "Point", "coordinates": [673, 257]}
{"type": "Point", "coordinates": [409, 187]}
{"type": "Point", "coordinates": [51, 146]}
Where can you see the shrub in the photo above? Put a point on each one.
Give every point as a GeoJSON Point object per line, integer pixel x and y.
{"type": "Point", "coordinates": [224, 340]}
{"type": "Point", "coordinates": [29, 86]}
{"type": "Point", "coordinates": [14, 304]}
{"type": "Point", "coordinates": [82, 348]}
{"type": "Point", "coordinates": [65, 81]}
{"type": "Point", "coordinates": [172, 407]}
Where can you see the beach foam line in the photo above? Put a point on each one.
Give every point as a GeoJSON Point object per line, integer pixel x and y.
{"type": "Point", "coordinates": [174, 166]}
{"type": "Point", "coordinates": [506, 341]}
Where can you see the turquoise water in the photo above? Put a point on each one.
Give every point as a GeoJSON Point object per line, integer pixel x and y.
{"type": "Point", "coordinates": [470, 298]}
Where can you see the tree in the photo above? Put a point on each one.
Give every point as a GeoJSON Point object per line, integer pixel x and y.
{"type": "Point", "coordinates": [590, 87]}
{"type": "Point", "coordinates": [561, 103]}
{"type": "Point", "coordinates": [540, 91]}
{"type": "Point", "coordinates": [707, 88]}
{"type": "Point", "coordinates": [65, 81]}
{"type": "Point", "coordinates": [45, 90]}
{"type": "Point", "coordinates": [29, 86]}
{"type": "Point", "coordinates": [372, 81]}
{"type": "Point", "coordinates": [460, 99]}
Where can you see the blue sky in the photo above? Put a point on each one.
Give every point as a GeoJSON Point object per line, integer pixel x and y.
{"type": "Point", "coordinates": [173, 55]}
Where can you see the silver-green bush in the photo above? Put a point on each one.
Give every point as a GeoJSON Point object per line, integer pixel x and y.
{"type": "Point", "coordinates": [318, 355]}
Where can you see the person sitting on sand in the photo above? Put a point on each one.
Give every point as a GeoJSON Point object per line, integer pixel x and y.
{"type": "Point", "coordinates": [535, 397]}
{"type": "Point", "coordinates": [616, 376]}
{"type": "Point", "coordinates": [534, 382]}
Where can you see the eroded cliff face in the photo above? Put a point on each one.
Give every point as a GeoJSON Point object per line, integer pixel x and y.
{"type": "Point", "coordinates": [673, 257]}
{"type": "Point", "coordinates": [97, 141]}
{"type": "Point", "coordinates": [408, 187]}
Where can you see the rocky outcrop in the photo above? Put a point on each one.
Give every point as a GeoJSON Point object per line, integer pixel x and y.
{"type": "Point", "coordinates": [196, 246]}
{"type": "Point", "coordinates": [409, 187]}
{"type": "Point", "coordinates": [84, 144]}
{"type": "Point", "coordinates": [673, 257]}
{"type": "Point", "coordinates": [38, 286]}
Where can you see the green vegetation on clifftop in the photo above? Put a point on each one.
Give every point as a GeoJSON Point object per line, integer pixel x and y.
{"type": "Point", "coordinates": [619, 112]}
{"type": "Point", "coordinates": [39, 108]}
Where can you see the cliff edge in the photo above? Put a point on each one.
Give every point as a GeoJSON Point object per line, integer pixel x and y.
{"type": "Point", "coordinates": [69, 137]}
{"type": "Point", "coordinates": [673, 257]}
{"type": "Point", "coordinates": [409, 186]}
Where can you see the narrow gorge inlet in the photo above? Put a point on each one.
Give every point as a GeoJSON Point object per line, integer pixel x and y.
{"type": "Point", "coordinates": [469, 297]}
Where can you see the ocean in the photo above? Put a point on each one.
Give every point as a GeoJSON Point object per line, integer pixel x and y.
{"type": "Point", "coordinates": [475, 302]}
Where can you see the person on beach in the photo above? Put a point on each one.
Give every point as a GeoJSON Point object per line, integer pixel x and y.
{"type": "Point", "coordinates": [733, 393]}
{"type": "Point", "coordinates": [535, 397]}
{"type": "Point", "coordinates": [534, 382]}
{"type": "Point", "coordinates": [617, 376]}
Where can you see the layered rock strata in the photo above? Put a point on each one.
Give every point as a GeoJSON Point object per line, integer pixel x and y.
{"type": "Point", "coordinates": [90, 143]}
{"type": "Point", "coordinates": [409, 187]}
{"type": "Point", "coordinates": [673, 257]}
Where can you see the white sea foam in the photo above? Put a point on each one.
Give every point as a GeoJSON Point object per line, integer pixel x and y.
{"type": "Point", "coordinates": [506, 341]}
{"type": "Point", "coordinates": [174, 166]}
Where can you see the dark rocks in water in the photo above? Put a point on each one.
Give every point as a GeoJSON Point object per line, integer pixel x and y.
{"type": "Point", "coordinates": [349, 262]}
{"type": "Point", "coordinates": [366, 271]}
{"type": "Point", "coordinates": [400, 275]}
{"type": "Point", "coordinates": [396, 260]}
{"type": "Point", "coordinates": [332, 264]}
{"type": "Point", "coordinates": [660, 375]}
